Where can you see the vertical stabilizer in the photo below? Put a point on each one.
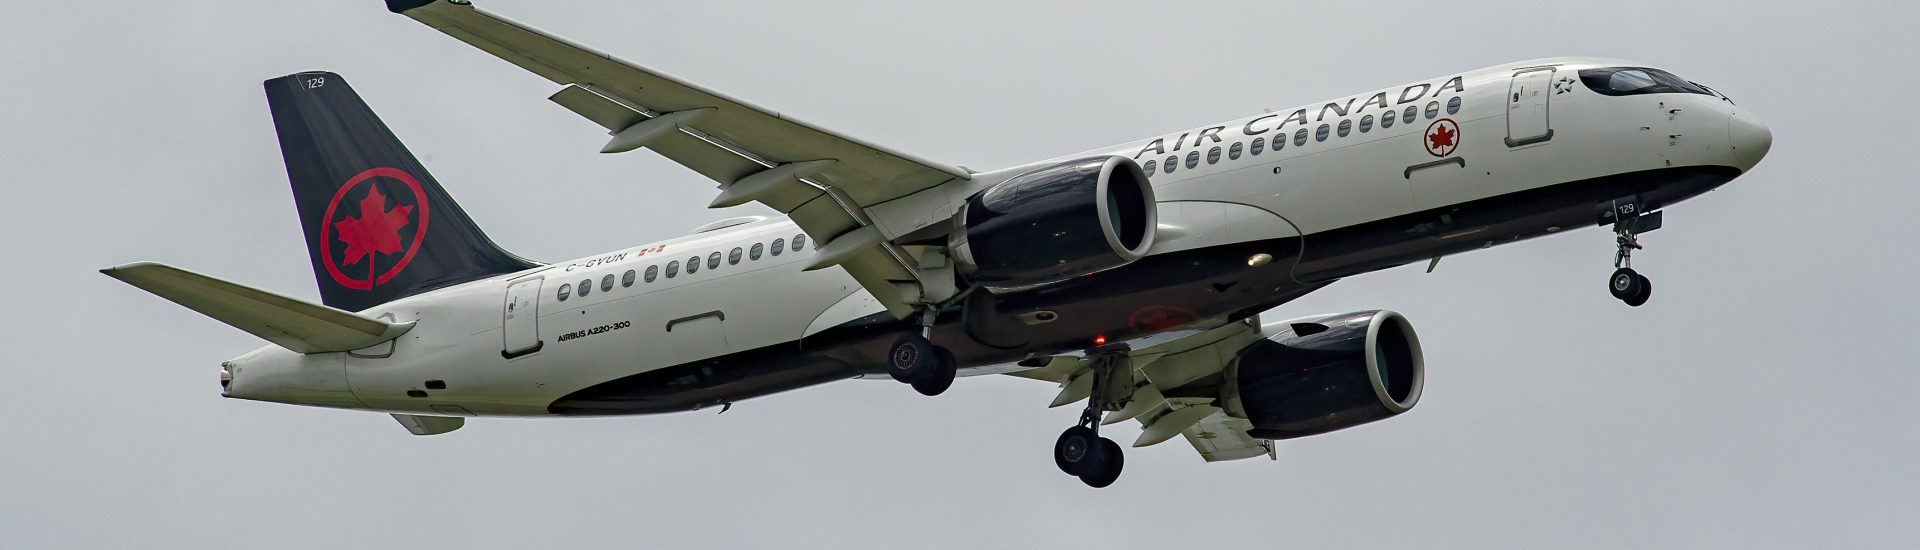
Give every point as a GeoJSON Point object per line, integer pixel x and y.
{"type": "Point", "coordinates": [377, 225]}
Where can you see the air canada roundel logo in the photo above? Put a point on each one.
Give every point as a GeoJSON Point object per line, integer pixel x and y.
{"type": "Point", "coordinates": [1159, 317]}
{"type": "Point", "coordinates": [373, 227]}
{"type": "Point", "coordinates": [1443, 136]}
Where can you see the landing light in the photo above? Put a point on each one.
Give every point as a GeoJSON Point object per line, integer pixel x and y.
{"type": "Point", "coordinates": [1258, 260]}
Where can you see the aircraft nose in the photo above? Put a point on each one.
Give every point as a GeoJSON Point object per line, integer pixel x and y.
{"type": "Point", "coordinates": [1750, 139]}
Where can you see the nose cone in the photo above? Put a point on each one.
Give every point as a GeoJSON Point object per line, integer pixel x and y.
{"type": "Point", "coordinates": [1749, 138]}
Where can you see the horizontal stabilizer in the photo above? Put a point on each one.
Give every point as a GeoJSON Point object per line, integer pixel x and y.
{"type": "Point", "coordinates": [294, 324]}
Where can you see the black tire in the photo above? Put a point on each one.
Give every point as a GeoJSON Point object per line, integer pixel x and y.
{"type": "Point", "coordinates": [1624, 283]}
{"type": "Point", "coordinates": [1112, 460]}
{"type": "Point", "coordinates": [910, 358]}
{"type": "Point", "coordinates": [1077, 451]}
{"type": "Point", "coordinates": [1645, 291]}
{"type": "Point", "coordinates": [940, 376]}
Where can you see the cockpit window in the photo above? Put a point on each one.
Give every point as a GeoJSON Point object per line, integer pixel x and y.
{"type": "Point", "coordinates": [1619, 81]}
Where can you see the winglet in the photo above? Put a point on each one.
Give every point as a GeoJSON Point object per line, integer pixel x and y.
{"type": "Point", "coordinates": [294, 324]}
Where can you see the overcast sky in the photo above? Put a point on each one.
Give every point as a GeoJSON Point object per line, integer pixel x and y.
{"type": "Point", "coordinates": [1764, 398]}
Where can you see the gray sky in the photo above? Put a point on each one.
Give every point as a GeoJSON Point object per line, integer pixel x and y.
{"type": "Point", "coordinates": [1762, 399]}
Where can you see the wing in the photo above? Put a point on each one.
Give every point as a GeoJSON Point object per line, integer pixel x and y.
{"type": "Point", "coordinates": [845, 193]}
{"type": "Point", "coordinates": [1171, 388]}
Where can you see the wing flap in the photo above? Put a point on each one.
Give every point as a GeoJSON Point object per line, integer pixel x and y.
{"type": "Point", "coordinates": [291, 323]}
{"type": "Point", "coordinates": [1220, 437]}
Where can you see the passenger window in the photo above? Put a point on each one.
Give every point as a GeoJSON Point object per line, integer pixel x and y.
{"type": "Point", "coordinates": [1172, 163]}
{"type": "Point", "coordinates": [1412, 113]}
{"type": "Point", "coordinates": [653, 272]}
{"type": "Point", "coordinates": [1321, 134]}
{"type": "Point", "coordinates": [1346, 127]}
{"type": "Point", "coordinates": [673, 268]}
{"type": "Point", "coordinates": [1213, 156]}
{"type": "Point", "coordinates": [565, 292]}
{"type": "Point", "coordinates": [734, 256]}
{"type": "Point", "coordinates": [693, 265]}
{"type": "Point", "coordinates": [1193, 159]}
{"type": "Point", "coordinates": [1433, 109]}
{"type": "Point", "coordinates": [586, 286]}
{"type": "Point", "coordinates": [1386, 120]}
{"type": "Point", "coordinates": [1256, 146]}
{"type": "Point", "coordinates": [713, 260]}
{"type": "Point", "coordinates": [779, 245]}
{"type": "Point", "coordinates": [1453, 105]}
{"type": "Point", "coordinates": [1366, 123]}
{"type": "Point", "coordinates": [606, 283]}
{"type": "Point", "coordinates": [1300, 137]}
{"type": "Point", "coordinates": [799, 242]}
{"type": "Point", "coordinates": [1233, 153]}
{"type": "Point", "coordinates": [754, 253]}
{"type": "Point", "coordinates": [1149, 167]}
{"type": "Point", "coordinates": [626, 280]}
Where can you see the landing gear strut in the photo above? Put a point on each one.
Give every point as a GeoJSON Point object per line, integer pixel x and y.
{"type": "Point", "coordinates": [1080, 451]}
{"type": "Point", "coordinates": [1629, 221]}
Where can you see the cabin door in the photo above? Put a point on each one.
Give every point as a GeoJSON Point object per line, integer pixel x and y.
{"type": "Point", "coordinates": [520, 318]}
{"type": "Point", "coordinates": [1527, 107]}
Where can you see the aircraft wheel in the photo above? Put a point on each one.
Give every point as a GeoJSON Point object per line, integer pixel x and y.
{"type": "Point", "coordinates": [1077, 451]}
{"type": "Point", "coordinates": [1625, 283]}
{"type": "Point", "coordinates": [911, 358]}
{"type": "Point", "coordinates": [940, 376]}
{"type": "Point", "coordinates": [1112, 459]}
{"type": "Point", "coordinates": [1645, 291]}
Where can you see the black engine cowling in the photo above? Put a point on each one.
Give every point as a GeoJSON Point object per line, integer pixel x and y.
{"type": "Point", "coordinates": [1320, 374]}
{"type": "Point", "coordinates": [1055, 223]}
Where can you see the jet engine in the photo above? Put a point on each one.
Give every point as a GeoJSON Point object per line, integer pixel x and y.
{"type": "Point", "coordinates": [1055, 223]}
{"type": "Point", "coordinates": [1319, 374]}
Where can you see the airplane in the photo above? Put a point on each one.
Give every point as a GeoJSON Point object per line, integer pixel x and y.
{"type": "Point", "coordinates": [1134, 276]}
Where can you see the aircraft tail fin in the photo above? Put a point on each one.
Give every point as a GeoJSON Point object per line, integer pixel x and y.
{"type": "Point", "coordinates": [378, 226]}
{"type": "Point", "coordinates": [289, 322]}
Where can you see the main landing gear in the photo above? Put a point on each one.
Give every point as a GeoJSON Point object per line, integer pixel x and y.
{"type": "Point", "coordinates": [1080, 451]}
{"type": "Point", "coordinates": [916, 361]}
{"type": "Point", "coordinates": [1629, 221]}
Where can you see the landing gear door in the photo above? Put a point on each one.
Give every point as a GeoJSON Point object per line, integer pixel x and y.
{"type": "Point", "coordinates": [1527, 108]}
{"type": "Point", "coordinates": [520, 318]}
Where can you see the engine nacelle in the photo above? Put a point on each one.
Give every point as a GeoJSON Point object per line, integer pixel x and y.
{"type": "Point", "coordinates": [1055, 223]}
{"type": "Point", "coordinates": [1319, 374]}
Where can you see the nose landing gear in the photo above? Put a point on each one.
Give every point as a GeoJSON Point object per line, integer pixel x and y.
{"type": "Point", "coordinates": [1629, 221]}
{"type": "Point", "coordinates": [1630, 287]}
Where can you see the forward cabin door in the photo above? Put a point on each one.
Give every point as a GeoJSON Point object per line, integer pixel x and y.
{"type": "Point", "coordinates": [520, 318]}
{"type": "Point", "coordinates": [1527, 108]}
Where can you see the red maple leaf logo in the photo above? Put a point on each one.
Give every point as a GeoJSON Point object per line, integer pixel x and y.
{"type": "Point", "coordinates": [376, 230]}
{"type": "Point", "coordinates": [1440, 139]}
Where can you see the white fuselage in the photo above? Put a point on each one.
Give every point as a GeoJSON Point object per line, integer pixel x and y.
{"type": "Point", "coordinates": [477, 350]}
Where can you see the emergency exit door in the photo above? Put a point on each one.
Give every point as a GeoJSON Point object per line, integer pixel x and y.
{"type": "Point", "coordinates": [1527, 107]}
{"type": "Point", "coordinates": [520, 318]}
